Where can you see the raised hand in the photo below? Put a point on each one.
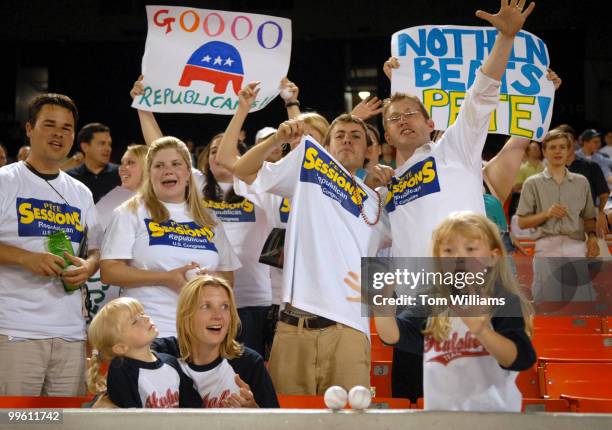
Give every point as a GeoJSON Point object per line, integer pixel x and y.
{"type": "Point", "coordinates": [552, 76]}
{"type": "Point", "coordinates": [290, 130]}
{"type": "Point", "coordinates": [138, 88]}
{"type": "Point", "coordinates": [288, 90]}
{"type": "Point", "coordinates": [368, 108]}
{"type": "Point", "coordinates": [389, 65]}
{"type": "Point", "coordinates": [510, 18]}
{"type": "Point", "coordinates": [248, 94]}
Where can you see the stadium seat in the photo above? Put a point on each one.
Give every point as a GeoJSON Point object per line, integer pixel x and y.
{"type": "Point", "coordinates": [567, 324]}
{"type": "Point", "coordinates": [573, 347]}
{"type": "Point", "coordinates": [576, 379]}
{"type": "Point", "coordinates": [588, 404]}
{"type": "Point", "coordinates": [528, 383]}
{"type": "Point", "coordinates": [380, 377]}
{"type": "Point", "coordinates": [11, 402]}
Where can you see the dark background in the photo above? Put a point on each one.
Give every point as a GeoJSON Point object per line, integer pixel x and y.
{"type": "Point", "coordinates": [92, 49]}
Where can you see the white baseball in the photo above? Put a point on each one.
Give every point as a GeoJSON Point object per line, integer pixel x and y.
{"type": "Point", "coordinates": [70, 267]}
{"type": "Point", "coordinates": [335, 397]}
{"type": "Point", "coordinates": [192, 274]}
{"type": "Point", "coordinates": [359, 397]}
{"type": "Point", "coordinates": [286, 93]}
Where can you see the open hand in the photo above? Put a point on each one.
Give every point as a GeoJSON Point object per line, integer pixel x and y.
{"type": "Point", "coordinates": [510, 18]}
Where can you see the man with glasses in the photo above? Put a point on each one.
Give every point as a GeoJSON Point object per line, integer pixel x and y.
{"type": "Point", "coordinates": [434, 179]}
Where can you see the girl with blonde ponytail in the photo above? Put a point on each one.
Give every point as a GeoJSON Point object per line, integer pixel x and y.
{"type": "Point", "coordinates": [476, 338]}
{"type": "Point", "coordinates": [121, 333]}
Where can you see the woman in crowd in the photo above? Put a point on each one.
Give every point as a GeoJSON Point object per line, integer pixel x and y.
{"type": "Point", "coordinates": [161, 233]}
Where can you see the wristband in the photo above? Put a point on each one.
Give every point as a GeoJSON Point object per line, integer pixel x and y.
{"type": "Point", "coordinates": [295, 103]}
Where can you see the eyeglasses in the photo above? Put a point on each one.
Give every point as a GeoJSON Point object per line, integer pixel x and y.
{"type": "Point", "coordinates": [395, 118]}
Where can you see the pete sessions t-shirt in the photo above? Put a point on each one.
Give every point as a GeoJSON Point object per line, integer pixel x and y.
{"type": "Point", "coordinates": [442, 177]}
{"type": "Point", "coordinates": [326, 235]}
{"type": "Point", "coordinates": [161, 247]}
{"type": "Point", "coordinates": [247, 224]}
{"type": "Point", "coordinates": [32, 306]}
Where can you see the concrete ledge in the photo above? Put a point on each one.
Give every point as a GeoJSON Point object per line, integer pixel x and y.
{"type": "Point", "coordinates": [294, 419]}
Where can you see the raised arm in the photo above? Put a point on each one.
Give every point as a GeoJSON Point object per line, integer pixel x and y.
{"type": "Point", "coordinates": [508, 20]}
{"type": "Point", "coordinates": [227, 153]}
{"type": "Point", "coordinates": [148, 123]}
{"type": "Point", "coordinates": [248, 165]}
{"type": "Point", "coordinates": [500, 173]}
{"type": "Point", "coordinates": [289, 93]}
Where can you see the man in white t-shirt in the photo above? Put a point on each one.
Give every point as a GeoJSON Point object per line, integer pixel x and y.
{"type": "Point", "coordinates": [433, 179]}
{"type": "Point", "coordinates": [322, 338]}
{"type": "Point", "coordinates": [42, 328]}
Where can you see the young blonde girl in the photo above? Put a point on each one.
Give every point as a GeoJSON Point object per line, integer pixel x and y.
{"type": "Point", "coordinates": [470, 358]}
{"type": "Point", "coordinates": [225, 373]}
{"type": "Point", "coordinates": [137, 378]}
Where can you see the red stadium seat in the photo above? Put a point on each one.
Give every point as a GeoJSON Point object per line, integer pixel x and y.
{"type": "Point", "coordinates": [11, 402]}
{"type": "Point", "coordinates": [573, 347]}
{"type": "Point", "coordinates": [588, 404]}
{"type": "Point", "coordinates": [577, 379]}
{"type": "Point", "coordinates": [567, 324]}
{"type": "Point", "coordinates": [528, 383]}
{"type": "Point", "coordinates": [380, 377]}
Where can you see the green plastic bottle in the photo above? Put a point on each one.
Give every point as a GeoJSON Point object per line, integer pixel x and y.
{"type": "Point", "coordinates": [57, 243]}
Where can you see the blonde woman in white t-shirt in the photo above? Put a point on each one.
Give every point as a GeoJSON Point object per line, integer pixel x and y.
{"type": "Point", "coordinates": [161, 233]}
{"type": "Point", "coordinates": [470, 360]}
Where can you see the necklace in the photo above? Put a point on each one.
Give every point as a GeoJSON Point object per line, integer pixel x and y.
{"type": "Point", "coordinates": [360, 205]}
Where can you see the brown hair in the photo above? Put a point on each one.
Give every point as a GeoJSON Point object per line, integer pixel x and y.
{"type": "Point", "coordinates": [396, 97]}
{"type": "Point", "coordinates": [188, 306]}
{"type": "Point", "coordinates": [555, 134]}
{"type": "Point", "coordinates": [51, 99]}
{"type": "Point", "coordinates": [346, 118]}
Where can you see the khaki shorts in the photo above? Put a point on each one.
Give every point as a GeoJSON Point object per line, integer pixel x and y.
{"type": "Point", "coordinates": [42, 367]}
{"type": "Point", "coordinates": [308, 361]}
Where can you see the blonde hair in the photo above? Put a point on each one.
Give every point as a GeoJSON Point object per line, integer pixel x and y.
{"type": "Point", "coordinates": [154, 206]}
{"type": "Point", "coordinates": [105, 331]}
{"type": "Point", "coordinates": [187, 308]}
{"type": "Point", "coordinates": [316, 121]}
{"type": "Point", "coordinates": [475, 226]}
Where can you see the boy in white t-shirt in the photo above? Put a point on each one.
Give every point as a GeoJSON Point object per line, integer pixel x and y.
{"type": "Point", "coordinates": [322, 338]}
{"type": "Point", "coordinates": [41, 325]}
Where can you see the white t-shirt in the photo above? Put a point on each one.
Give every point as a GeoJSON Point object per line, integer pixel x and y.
{"type": "Point", "coordinates": [162, 247]}
{"type": "Point", "coordinates": [247, 224]}
{"type": "Point", "coordinates": [215, 382]}
{"type": "Point", "coordinates": [100, 293]}
{"type": "Point", "coordinates": [326, 235]}
{"type": "Point", "coordinates": [460, 374]}
{"type": "Point", "coordinates": [31, 306]}
{"type": "Point", "coordinates": [442, 177]}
